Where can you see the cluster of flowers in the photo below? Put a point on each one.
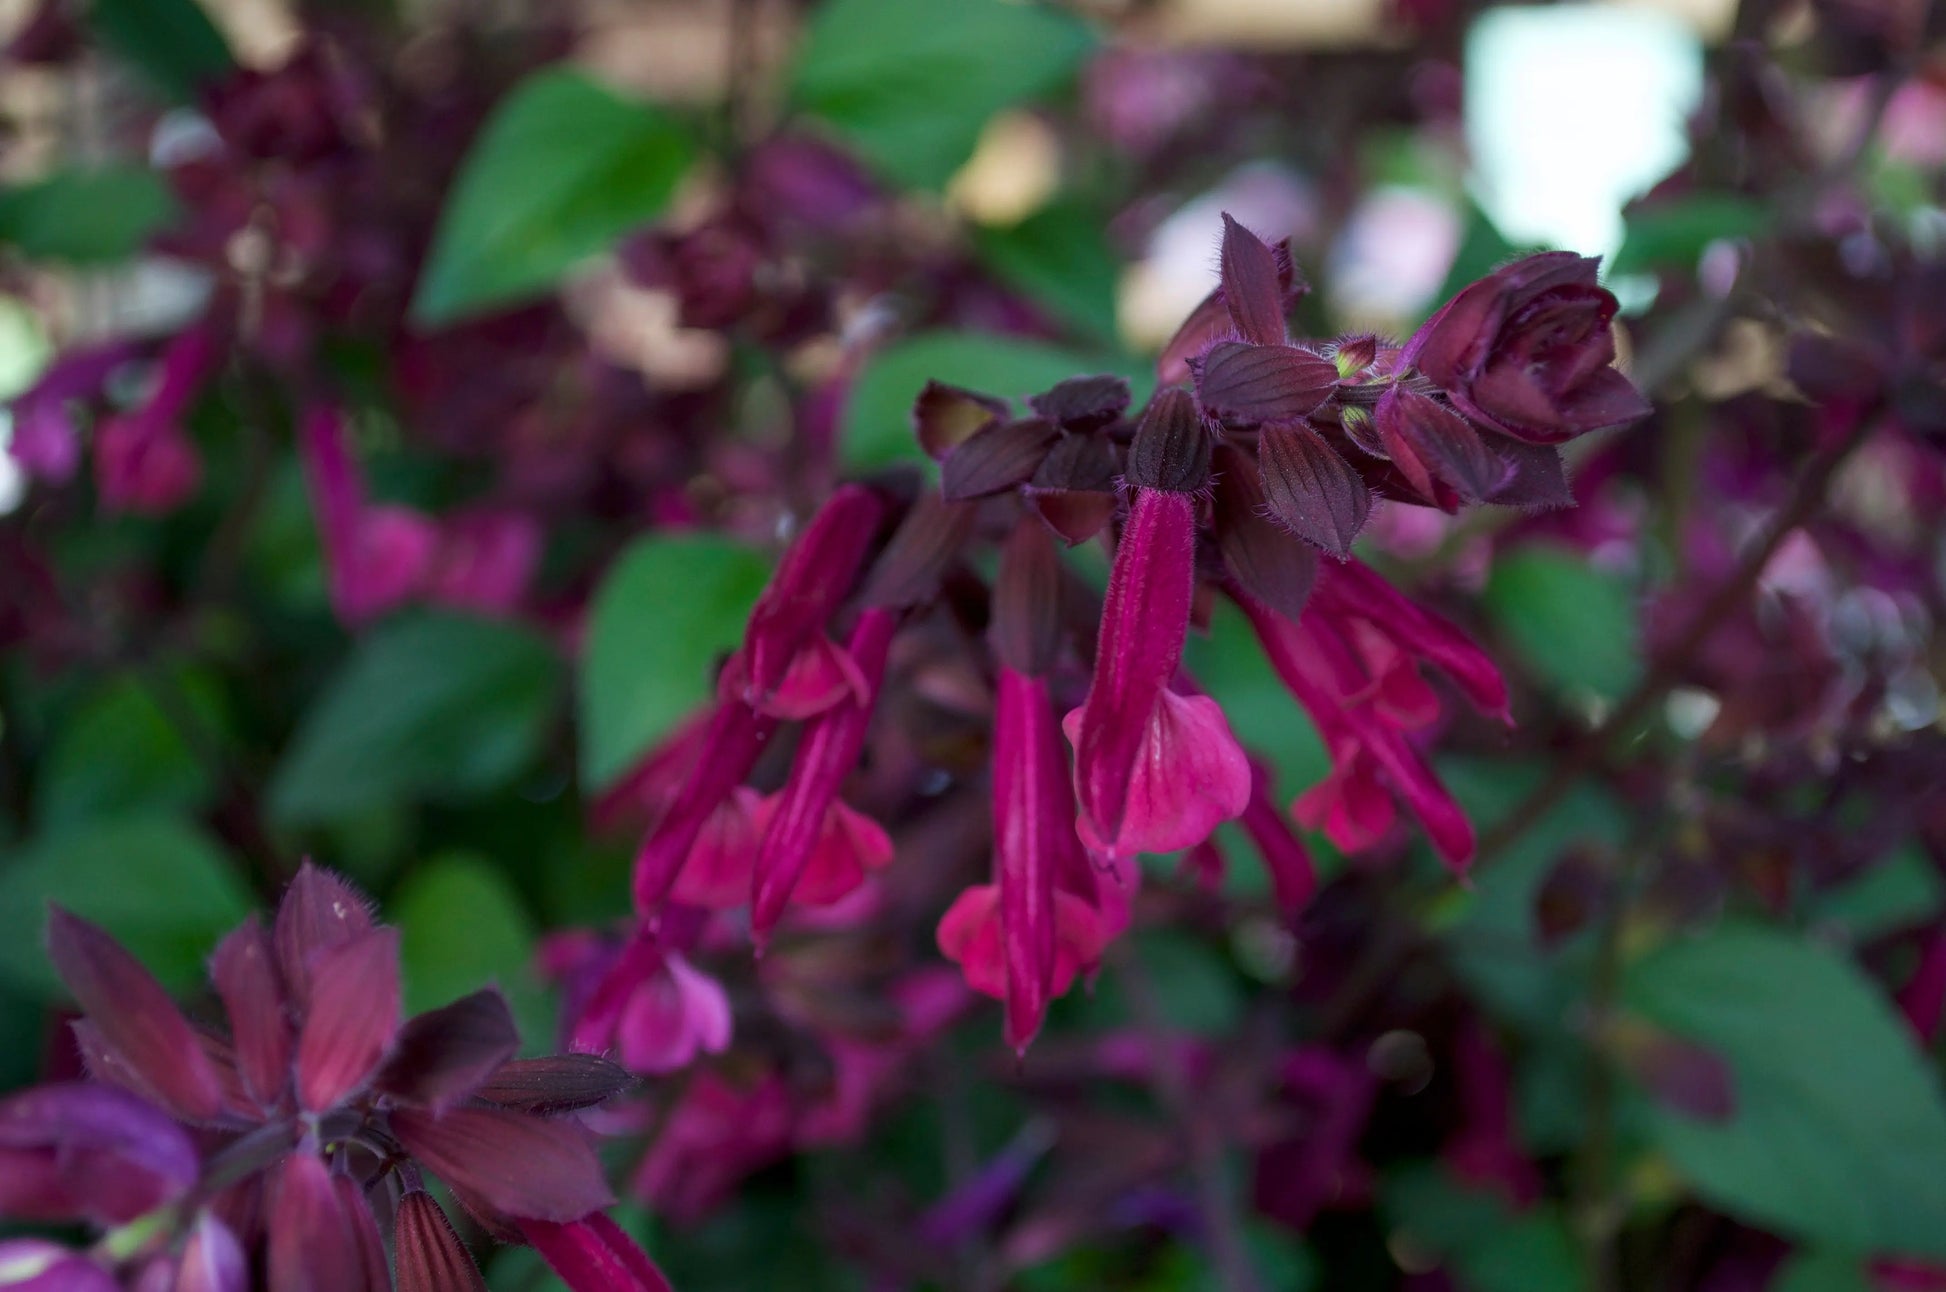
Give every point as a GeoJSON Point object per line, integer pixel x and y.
{"type": "Point", "coordinates": [1256, 454]}
{"type": "Point", "coordinates": [292, 1150]}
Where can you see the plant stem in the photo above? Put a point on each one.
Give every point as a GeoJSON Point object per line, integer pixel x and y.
{"type": "Point", "coordinates": [1215, 1200]}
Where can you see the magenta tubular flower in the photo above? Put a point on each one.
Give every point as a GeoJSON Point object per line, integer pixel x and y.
{"type": "Point", "coordinates": [728, 750]}
{"type": "Point", "coordinates": [594, 1255]}
{"type": "Point", "coordinates": [649, 1006]}
{"type": "Point", "coordinates": [376, 558]}
{"type": "Point", "coordinates": [1323, 670]}
{"type": "Point", "coordinates": [144, 461]}
{"type": "Point", "coordinates": [1033, 811]}
{"type": "Point", "coordinates": [811, 581]}
{"type": "Point", "coordinates": [1527, 352]}
{"type": "Point", "coordinates": [829, 751]}
{"type": "Point", "coordinates": [1293, 878]}
{"type": "Point", "coordinates": [1154, 771]}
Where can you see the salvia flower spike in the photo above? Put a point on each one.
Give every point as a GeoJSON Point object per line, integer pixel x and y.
{"type": "Point", "coordinates": [317, 1108]}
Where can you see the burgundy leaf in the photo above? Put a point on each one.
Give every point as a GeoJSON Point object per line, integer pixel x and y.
{"type": "Point", "coordinates": [997, 458]}
{"type": "Point", "coordinates": [1206, 323]}
{"type": "Point", "coordinates": [1171, 451]}
{"type": "Point", "coordinates": [926, 543]}
{"type": "Point", "coordinates": [515, 1164]}
{"type": "Point", "coordinates": [1244, 384]}
{"type": "Point", "coordinates": [443, 1055]}
{"type": "Point", "coordinates": [244, 970]}
{"type": "Point", "coordinates": [1539, 478]}
{"type": "Point", "coordinates": [135, 1017]}
{"type": "Point", "coordinates": [1250, 287]}
{"type": "Point", "coordinates": [1083, 404]}
{"type": "Point", "coordinates": [313, 1246]}
{"type": "Point", "coordinates": [561, 1083]}
{"type": "Point", "coordinates": [357, 1211]}
{"type": "Point", "coordinates": [353, 1015]}
{"type": "Point", "coordinates": [1311, 490]}
{"type": "Point", "coordinates": [1026, 631]}
{"type": "Point", "coordinates": [1440, 439]}
{"type": "Point", "coordinates": [945, 416]}
{"type": "Point", "coordinates": [78, 1149]}
{"type": "Point", "coordinates": [319, 911]}
{"type": "Point", "coordinates": [429, 1255]}
{"type": "Point", "coordinates": [1272, 566]}
{"type": "Point", "coordinates": [1074, 514]}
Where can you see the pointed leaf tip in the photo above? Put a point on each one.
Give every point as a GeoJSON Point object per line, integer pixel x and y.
{"type": "Point", "coordinates": [1250, 287]}
{"type": "Point", "coordinates": [134, 1015]}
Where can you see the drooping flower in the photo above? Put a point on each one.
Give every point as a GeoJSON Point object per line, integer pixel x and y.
{"type": "Point", "coordinates": [805, 831]}
{"type": "Point", "coordinates": [376, 558]}
{"type": "Point", "coordinates": [295, 1124]}
{"type": "Point", "coordinates": [641, 1000]}
{"type": "Point", "coordinates": [145, 462]}
{"type": "Point", "coordinates": [1024, 937]}
{"type": "Point", "coordinates": [1155, 770]}
{"type": "Point", "coordinates": [1351, 660]}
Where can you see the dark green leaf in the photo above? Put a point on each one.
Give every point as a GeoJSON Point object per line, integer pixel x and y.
{"type": "Point", "coordinates": [562, 169]}
{"type": "Point", "coordinates": [1674, 235]}
{"type": "Point", "coordinates": [910, 83]}
{"type": "Point", "coordinates": [878, 417]}
{"type": "Point", "coordinates": [665, 613]}
{"type": "Point", "coordinates": [1059, 259]}
{"type": "Point", "coordinates": [461, 928]}
{"type": "Point", "coordinates": [161, 886]}
{"type": "Point", "coordinates": [1531, 1253]}
{"type": "Point", "coordinates": [429, 706]}
{"type": "Point", "coordinates": [1839, 1134]}
{"type": "Point", "coordinates": [1900, 892]}
{"type": "Point", "coordinates": [120, 751]}
{"type": "Point", "coordinates": [1823, 1272]}
{"type": "Point", "coordinates": [172, 41]}
{"type": "Point", "coordinates": [1570, 623]}
{"type": "Point", "coordinates": [86, 216]}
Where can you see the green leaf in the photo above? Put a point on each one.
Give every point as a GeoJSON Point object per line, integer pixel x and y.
{"type": "Point", "coordinates": [1900, 892]}
{"type": "Point", "coordinates": [562, 169]}
{"type": "Point", "coordinates": [1490, 929]}
{"type": "Point", "coordinates": [173, 42]}
{"type": "Point", "coordinates": [1571, 624]}
{"type": "Point", "coordinates": [120, 751]}
{"type": "Point", "coordinates": [1822, 1272]}
{"type": "Point", "coordinates": [910, 83]}
{"type": "Point", "coordinates": [87, 217]}
{"type": "Point", "coordinates": [160, 885]}
{"type": "Point", "coordinates": [1533, 1253]}
{"type": "Point", "coordinates": [463, 927]}
{"type": "Point", "coordinates": [1059, 259]}
{"type": "Point", "coordinates": [878, 417]}
{"type": "Point", "coordinates": [1839, 1134]}
{"type": "Point", "coordinates": [1197, 990]}
{"type": "Point", "coordinates": [1674, 235]}
{"type": "Point", "coordinates": [432, 706]}
{"type": "Point", "coordinates": [665, 612]}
